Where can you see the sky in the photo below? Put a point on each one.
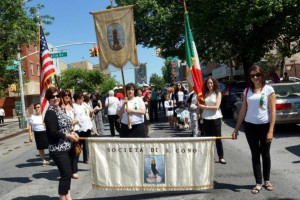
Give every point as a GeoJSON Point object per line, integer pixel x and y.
{"type": "Point", "coordinates": [74, 24]}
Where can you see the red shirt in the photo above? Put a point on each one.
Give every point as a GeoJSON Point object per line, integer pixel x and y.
{"type": "Point", "coordinates": [147, 95]}
{"type": "Point", "coordinates": [119, 95]}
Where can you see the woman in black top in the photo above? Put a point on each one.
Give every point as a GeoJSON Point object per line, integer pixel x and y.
{"type": "Point", "coordinates": [60, 137]}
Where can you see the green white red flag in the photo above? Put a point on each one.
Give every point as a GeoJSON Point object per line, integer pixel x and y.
{"type": "Point", "coordinates": [193, 72]}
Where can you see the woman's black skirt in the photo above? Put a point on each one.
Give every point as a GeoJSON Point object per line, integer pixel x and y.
{"type": "Point", "coordinates": [41, 140]}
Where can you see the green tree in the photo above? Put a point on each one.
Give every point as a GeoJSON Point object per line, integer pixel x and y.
{"type": "Point", "coordinates": [82, 80]}
{"type": "Point", "coordinates": [156, 80]}
{"type": "Point", "coordinates": [166, 72]}
{"type": "Point", "coordinates": [223, 30]}
{"type": "Point", "coordinates": [108, 84]}
{"type": "Point", "coordinates": [18, 25]}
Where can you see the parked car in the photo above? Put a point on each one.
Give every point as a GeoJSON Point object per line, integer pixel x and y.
{"type": "Point", "coordinates": [231, 92]}
{"type": "Point", "coordinates": [287, 103]}
{"type": "Point", "coordinates": [292, 79]}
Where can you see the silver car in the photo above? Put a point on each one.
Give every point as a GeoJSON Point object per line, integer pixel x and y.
{"type": "Point", "coordinates": [287, 103]}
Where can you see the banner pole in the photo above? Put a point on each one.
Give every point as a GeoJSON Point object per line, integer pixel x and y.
{"type": "Point", "coordinates": [224, 137]}
{"type": "Point", "coordinates": [217, 138]}
{"type": "Point", "coordinates": [124, 90]}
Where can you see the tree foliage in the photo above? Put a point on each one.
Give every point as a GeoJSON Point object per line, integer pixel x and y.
{"type": "Point", "coordinates": [85, 80]}
{"type": "Point", "coordinates": [240, 30]}
{"type": "Point", "coordinates": [156, 80]}
{"type": "Point", "coordinates": [166, 72]}
{"type": "Point", "coordinates": [18, 25]}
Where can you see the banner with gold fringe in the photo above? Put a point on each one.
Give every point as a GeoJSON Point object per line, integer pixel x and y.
{"type": "Point", "coordinates": [157, 164]}
{"type": "Point", "coordinates": [116, 36]}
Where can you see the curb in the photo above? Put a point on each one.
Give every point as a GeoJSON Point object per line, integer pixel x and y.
{"type": "Point", "coordinates": [13, 134]}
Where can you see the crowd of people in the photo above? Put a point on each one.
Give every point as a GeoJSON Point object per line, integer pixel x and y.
{"type": "Point", "coordinates": [130, 110]}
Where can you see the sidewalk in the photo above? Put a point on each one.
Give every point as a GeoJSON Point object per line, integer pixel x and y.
{"type": "Point", "coordinates": [10, 128]}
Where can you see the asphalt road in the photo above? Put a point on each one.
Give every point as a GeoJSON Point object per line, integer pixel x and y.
{"type": "Point", "coordinates": [23, 177]}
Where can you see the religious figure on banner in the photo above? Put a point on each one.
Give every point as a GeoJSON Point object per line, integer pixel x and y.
{"type": "Point", "coordinates": [153, 169]}
{"type": "Point", "coordinates": [115, 36]}
{"type": "Point", "coordinates": [141, 74]}
{"type": "Point", "coordinates": [155, 173]}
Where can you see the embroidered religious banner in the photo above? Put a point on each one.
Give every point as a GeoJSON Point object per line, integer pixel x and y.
{"type": "Point", "coordinates": [141, 74]}
{"type": "Point", "coordinates": [152, 164]}
{"type": "Point", "coordinates": [115, 36]}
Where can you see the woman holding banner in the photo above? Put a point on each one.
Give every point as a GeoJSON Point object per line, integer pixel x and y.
{"type": "Point", "coordinates": [258, 112]}
{"type": "Point", "coordinates": [212, 116]}
{"type": "Point", "coordinates": [132, 114]}
{"type": "Point", "coordinates": [60, 137]}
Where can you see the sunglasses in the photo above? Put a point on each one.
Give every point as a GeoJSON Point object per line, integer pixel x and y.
{"type": "Point", "coordinates": [54, 96]}
{"type": "Point", "coordinates": [255, 75]}
{"type": "Point", "coordinates": [67, 95]}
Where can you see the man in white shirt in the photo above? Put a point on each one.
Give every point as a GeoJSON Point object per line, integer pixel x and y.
{"type": "Point", "coordinates": [112, 104]}
{"type": "Point", "coordinates": [2, 114]}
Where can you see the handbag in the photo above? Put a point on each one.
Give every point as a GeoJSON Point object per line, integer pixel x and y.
{"type": "Point", "coordinates": [106, 108]}
{"type": "Point", "coordinates": [77, 148]}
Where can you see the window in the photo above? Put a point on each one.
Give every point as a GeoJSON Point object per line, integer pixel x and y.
{"type": "Point", "coordinates": [38, 70]}
{"type": "Point", "coordinates": [31, 69]}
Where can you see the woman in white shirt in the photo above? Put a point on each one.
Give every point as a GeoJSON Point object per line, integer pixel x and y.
{"type": "Point", "coordinates": [259, 114]}
{"type": "Point", "coordinates": [212, 116]}
{"type": "Point", "coordinates": [133, 108]}
{"type": "Point", "coordinates": [66, 105]}
{"type": "Point", "coordinates": [38, 128]}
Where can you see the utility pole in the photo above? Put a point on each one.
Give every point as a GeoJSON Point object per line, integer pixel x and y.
{"type": "Point", "coordinates": [23, 119]}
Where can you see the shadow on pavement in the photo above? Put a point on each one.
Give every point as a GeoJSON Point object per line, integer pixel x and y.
{"type": "Point", "coordinates": [17, 179]}
{"type": "Point", "coordinates": [232, 187]}
{"type": "Point", "coordinates": [294, 149]}
{"type": "Point", "coordinates": [151, 195]}
{"type": "Point", "coordinates": [38, 197]}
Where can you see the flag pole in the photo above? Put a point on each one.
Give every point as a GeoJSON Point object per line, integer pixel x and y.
{"type": "Point", "coordinates": [184, 6]}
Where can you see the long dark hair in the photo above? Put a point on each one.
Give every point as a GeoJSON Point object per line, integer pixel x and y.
{"type": "Point", "coordinates": [256, 67]}
{"type": "Point", "coordinates": [216, 86]}
{"type": "Point", "coordinates": [64, 93]}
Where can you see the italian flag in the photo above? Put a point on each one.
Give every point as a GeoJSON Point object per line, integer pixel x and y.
{"type": "Point", "coordinates": [193, 70]}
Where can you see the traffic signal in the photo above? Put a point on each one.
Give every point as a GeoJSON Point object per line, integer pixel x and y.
{"type": "Point", "coordinates": [92, 52]}
{"type": "Point", "coordinates": [13, 87]}
{"type": "Point", "coordinates": [158, 52]}
{"type": "Point", "coordinates": [95, 51]}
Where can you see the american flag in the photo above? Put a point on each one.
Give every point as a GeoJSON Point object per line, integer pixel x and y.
{"type": "Point", "coordinates": [47, 70]}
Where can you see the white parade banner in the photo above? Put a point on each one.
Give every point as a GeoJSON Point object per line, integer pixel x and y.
{"type": "Point", "coordinates": [152, 163]}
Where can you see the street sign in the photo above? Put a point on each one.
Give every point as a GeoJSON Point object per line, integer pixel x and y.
{"type": "Point", "coordinates": [58, 55]}
{"type": "Point", "coordinates": [172, 58]}
{"type": "Point", "coordinates": [11, 67]}
{"type": "Point", "coordinates": [16, 62]}
{"type": "Point", "coordinates": [18, 107]}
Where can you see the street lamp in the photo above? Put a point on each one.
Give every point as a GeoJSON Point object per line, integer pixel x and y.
{"type": "Point", "coordinates": [294, 66]}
